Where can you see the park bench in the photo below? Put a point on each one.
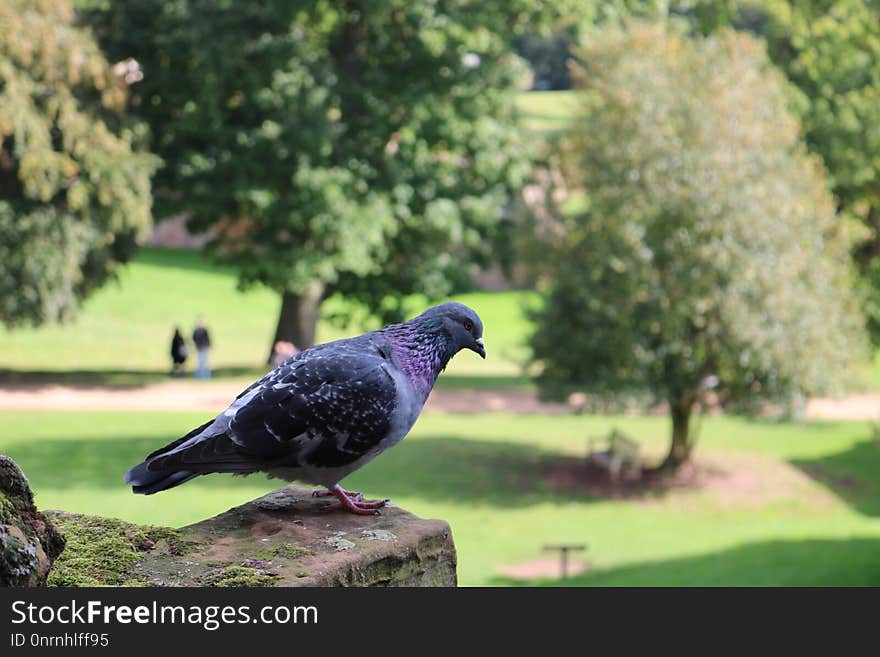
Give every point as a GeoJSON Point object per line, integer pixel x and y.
{"type": "Point", "coordinates": [616, 454]}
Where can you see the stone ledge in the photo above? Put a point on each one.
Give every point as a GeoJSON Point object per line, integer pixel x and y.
{"type": "Point", "coordinates": [284, 538]}
{"type": "Point", "coordinates": [28, 540]}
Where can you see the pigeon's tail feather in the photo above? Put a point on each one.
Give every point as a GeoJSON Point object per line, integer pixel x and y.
{"type": "Point", "coordinates": [144, 482]}
{"type": "Point", "coordinates": [188, 457]}
{"type": "Point", "coordinates": [171, 446]}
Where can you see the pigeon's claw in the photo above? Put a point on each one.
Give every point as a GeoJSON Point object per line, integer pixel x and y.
{"type": "Point", "coordinates": [355, 503]}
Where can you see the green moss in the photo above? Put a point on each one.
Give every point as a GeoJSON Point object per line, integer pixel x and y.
{"type": "Point", "coordinates": [5, 510]}
{"type": "Point", "coordinates": [176, 543]}
{"type": "Point", "coordinates": [105, 551]}
{"type": "Point", "coordinates": [240, 576]}
{"type": "Point", "coordinates": [11, 515]}
{"type": "Point", "coordinates": [283, 550]}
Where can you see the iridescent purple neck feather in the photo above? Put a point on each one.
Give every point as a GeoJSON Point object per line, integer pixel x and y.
{"type": "Point", "coordinates": [422, 348]}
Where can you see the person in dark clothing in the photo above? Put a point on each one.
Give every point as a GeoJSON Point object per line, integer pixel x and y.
{"type": "Point", "coordinates": [202, 340]}
{"type": "Point", "coordinates": [179, 353]}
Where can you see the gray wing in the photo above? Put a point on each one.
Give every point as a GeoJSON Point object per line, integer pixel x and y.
{"type": "Point", "coordinates": [328, 410]}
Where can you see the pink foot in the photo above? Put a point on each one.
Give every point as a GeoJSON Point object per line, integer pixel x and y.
{"type": "Point", "coordinates": [355, 503]}
{"type": "Point", "coordinates": [326, 492]}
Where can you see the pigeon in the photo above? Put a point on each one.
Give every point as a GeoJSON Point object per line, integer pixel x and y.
{"type": "Point", "coordinates": [324, 412]}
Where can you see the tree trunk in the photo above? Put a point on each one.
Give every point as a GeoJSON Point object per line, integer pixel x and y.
{"type": "Point", "coordinates": [680, 449]}
{"type": "Point", "coordinates": [299, 317]}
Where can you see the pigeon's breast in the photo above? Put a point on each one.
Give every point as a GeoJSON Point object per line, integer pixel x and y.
{"type": "Point", "coordinates": [406, 412]}
{"type": "Point", "coordinates": [402, 418]}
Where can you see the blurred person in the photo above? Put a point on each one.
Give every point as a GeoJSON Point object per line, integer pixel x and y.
{"type": "Point", "coordinates": [179, 353]}
{"type": "Point", "coordinates": [202, 340]}
{"type": "Point", "coordinates": [282, 351]}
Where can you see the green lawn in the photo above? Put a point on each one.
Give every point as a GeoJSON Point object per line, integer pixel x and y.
{"type": "Point", "coordinates": [123, 332]}
{"type": "Point", "coordinates": [816, 522]}
{"type": "Point", "coordinates": [546, 112]}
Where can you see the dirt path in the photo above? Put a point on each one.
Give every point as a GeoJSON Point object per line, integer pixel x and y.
{"type": "Point", "coordinates": [190, 395]}
{"type": "Point", "coordinates": [216, 395]}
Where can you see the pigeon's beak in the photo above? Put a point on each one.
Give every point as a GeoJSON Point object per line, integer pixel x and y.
{"type": "Point", "coordinates": [479, 347]}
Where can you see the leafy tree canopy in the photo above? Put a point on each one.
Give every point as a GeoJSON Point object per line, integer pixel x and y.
{"type": "Point", "coordinates": [362, 147]}
{"type": "Point", "coordinates": [830, 51]}
{"type": "Point", "coordinates": [74, 196]}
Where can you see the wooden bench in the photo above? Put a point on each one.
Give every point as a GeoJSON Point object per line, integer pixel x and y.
{"type": "Point", "coordinates": [617, 454]}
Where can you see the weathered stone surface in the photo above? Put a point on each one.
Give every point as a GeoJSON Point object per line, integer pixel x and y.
{"type": "Point", "coordinates": [285, 538]}
{"type": "Point", "coordinates": [28, 541]}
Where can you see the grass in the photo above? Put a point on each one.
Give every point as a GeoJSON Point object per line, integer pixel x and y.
{"type": "Point", "coordinates": [127, 325]}
{"type": "Point", "coordinates": [482, 474]}
{"type": "Point", "coordinates": [546, 112]}
{"type": "Point", "coordinates": [123, 332]}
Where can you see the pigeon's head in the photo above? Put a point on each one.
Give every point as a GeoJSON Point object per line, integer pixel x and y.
{"type": "Point", "coordinates": [462, 324]}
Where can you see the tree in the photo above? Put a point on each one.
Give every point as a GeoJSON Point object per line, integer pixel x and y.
{"type": "Point", "coordinates": [708, 249]}
{"type": "Point", "coordinates": [364, 148]}
{"type": "Point", "coordinates": [74, 195]}
{"type": "Point", "coordinates": [830, 49]}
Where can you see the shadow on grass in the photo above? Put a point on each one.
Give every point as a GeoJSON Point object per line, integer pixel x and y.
{"type": "Point", "coordinates": [439, 468]}
{"type": "Point", "coordinates": [114, 378]}
{"type": "Point", "coordinates": [75, 463]}
{"type": "Point", "coordinates": [461, 470]}
{"type": "Point", "coordinates": [119, 378]}
{"type": "Point", "coordinates": [851, 475]}
{"type": "Point", "coordinates": [811, 562]}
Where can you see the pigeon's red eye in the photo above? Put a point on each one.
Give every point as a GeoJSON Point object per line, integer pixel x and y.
{"type": "Point", "coordinates": [468, 325]}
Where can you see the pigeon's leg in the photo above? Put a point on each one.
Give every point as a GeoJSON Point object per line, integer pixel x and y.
{"type": "Point", "coordinates": [355, 504]}
{"type": "Point", "coordinates": [326, 492]}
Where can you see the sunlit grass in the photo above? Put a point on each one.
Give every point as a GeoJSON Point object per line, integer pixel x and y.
{"type": "Point", "coordinates": [546, 112]}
